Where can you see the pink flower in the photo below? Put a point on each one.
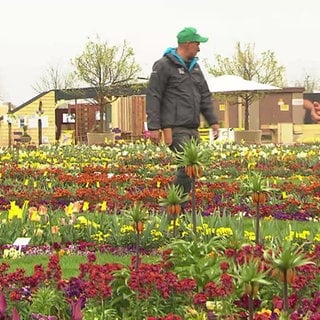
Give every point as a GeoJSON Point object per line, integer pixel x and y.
{"type": "Point", "coordinates": [15, 314]}
{"type": "Point", "coordinates": [76, 310]}
{"type": "Point", "coordinates": [3, 304]}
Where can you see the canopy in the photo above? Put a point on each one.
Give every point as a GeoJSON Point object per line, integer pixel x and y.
{"type": "Point", "coordinates": [232, 83]}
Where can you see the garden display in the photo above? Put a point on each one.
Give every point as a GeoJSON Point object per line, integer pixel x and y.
{"type": "Point", "coordinates": [247, 246]}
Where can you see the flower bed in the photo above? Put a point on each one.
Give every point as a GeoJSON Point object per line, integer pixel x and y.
{"type": "Point", "coordinates": [65, 196]}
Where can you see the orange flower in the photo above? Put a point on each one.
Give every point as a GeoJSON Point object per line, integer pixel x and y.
{"type": "Point", "coordinates": [54, 229]}
{"type": "Point", "coordinates": [77, 206]}
{"type": "Point", "coordinates": [174, 209]}
{"type": "Point", "coordinates": [33, 214]}
{"type": "Point", "coordinates": [42, 210]}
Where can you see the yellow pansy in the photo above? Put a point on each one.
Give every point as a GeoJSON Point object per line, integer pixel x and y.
{"type": "Point", "coordinates": [14, 211]}
{"type": "Point", "coordinates": [85, 206]}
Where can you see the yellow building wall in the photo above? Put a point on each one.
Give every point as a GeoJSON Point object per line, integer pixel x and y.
{"type": "Point", "coordinates": [29, 114]}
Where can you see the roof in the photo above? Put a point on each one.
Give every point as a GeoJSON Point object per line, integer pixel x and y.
{"type": "Point", "coordinates": [88, 93]}
{"type": "Point", "coordinates": [91, 93]}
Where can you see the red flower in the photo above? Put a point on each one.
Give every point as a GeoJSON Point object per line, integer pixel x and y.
{"type": "Point", "coordinates": [224, 266]}
{"type": "Point", "coordinates": [200, 298]}
{"type": "Point", "coordinates": [277, 303]}
{"type": "Point", "coordinates": [91, 257]}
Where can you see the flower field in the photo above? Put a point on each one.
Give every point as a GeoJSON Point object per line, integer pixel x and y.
{"type": "Point", "coordinates": [231, 255]}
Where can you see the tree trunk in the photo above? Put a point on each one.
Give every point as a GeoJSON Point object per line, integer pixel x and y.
{"type": "Point", "coordinates": [246, 115]}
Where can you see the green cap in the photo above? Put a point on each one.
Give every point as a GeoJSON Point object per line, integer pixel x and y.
{"type": "Point", "coordinates": [190, 35]}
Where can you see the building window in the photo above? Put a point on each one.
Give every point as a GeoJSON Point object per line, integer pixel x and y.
{"type": "Point", "coordinates": [68, 118]}
{"type": "Point", "coordinates": [22, 122]}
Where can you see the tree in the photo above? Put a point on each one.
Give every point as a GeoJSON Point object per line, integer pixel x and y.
{"type": "Point", "coordinates": [309, 83]}
{"type": "Point", "coordinates": [53, 79]}
{"type": "Point", "coordinates": [264, 69]}
{"type": "Point", "coordinates": [104, 67]}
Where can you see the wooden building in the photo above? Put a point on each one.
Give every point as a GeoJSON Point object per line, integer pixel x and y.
{"type": "Point", "coordinates": [37, 113]}
{"type": "Point", "coordinates": [66, 116]}
{"type": "Point", "coordinates": [283, 105]}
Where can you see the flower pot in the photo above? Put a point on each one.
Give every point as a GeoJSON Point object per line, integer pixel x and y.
{"type": "Point", "coordinates": [247, 136]}
{"type": "Point", "coordinates": [25, 138]}
{"type": "Point", "coordinates": [100, 138]}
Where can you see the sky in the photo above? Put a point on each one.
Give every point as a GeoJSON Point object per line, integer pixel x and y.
{"type": "Point", "coordinates": [37, 34]}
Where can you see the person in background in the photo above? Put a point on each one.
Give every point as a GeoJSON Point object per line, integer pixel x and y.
{"type": "Point", "coordinates": [315, 112]}
{"type": "Point", "coordinates": [177, 93]}
{"type": "Point", "coordinates": [312, 107]}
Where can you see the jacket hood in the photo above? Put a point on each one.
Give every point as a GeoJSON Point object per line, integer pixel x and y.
{"type": "Point", "coordinates": [170, 50]}
{"type": "Point", "coordinates": [173, 52]}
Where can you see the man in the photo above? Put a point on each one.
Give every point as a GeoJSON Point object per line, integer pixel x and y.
{"type": "Point", "coordinates": [311, 103]}
{"type": "Point", "coordinates": [177, 94]}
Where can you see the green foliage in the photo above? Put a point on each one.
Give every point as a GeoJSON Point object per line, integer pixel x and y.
{"type": "Point", "coordinates": [257, 185]}
{"type": "Point", "coordinates": [285, 255]}
{"type": "Point", "coordinates": [137, 213]}
{"type": "Point", "coordinates": [94, 311]}
{"type": "Point", "coordinates": [103, 66]}
{"type": "Point", "coordinates": [121, 232]}
{"type": "Point", "coordinates": [256, 182]}
{"type": "Point", "coordinates": [50, 302]}
{"type": "Point", "coordinates": [250, 276]}
{"type": "Point", "coordinates": [246, 64]}
{"type": "Point", "coordinates": [250, 272]}
{"type": "Point", "coordinates": [192, 153]}
{"type": "Point", "coordinates": [174, 195]}
{"type": "Point", "coordinates": [198, 260]}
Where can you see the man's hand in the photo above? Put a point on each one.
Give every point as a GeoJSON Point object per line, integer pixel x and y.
{"type": "Point", "coordinates": [155, 136]}
{"type": "Point", "coordinates": [314, 108]}
{"type": "Point", "coordinates": [215, 131]}
{"type": "Point", "coordinates": [315, 111]}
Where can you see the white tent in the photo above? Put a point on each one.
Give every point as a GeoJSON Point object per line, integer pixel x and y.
{"type": "Point", "coordinates": [232, 83]}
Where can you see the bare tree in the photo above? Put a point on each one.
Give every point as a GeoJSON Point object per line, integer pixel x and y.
{"type": "Point", "coordinates": [309, 83]}
{"type": "Point", "coordinates": [54, 78]}
{"type": "Point", "coordinates": [246, 64]}
{"type": "Point", "coordinates": [104, 67]}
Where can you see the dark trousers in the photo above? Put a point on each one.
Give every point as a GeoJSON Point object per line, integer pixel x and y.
{"type": "Point", "coordinates": [179, 136]}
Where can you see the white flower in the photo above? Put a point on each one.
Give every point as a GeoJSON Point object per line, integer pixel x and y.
{"type": "Point", "coordinates": [12, 253]}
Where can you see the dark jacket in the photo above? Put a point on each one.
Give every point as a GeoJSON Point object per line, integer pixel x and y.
{"type": "Point", "coordinates": [177, 94]}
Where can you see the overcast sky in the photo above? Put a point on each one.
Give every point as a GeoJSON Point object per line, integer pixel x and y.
{"type": "Point", "coordinates": [36, 34]}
